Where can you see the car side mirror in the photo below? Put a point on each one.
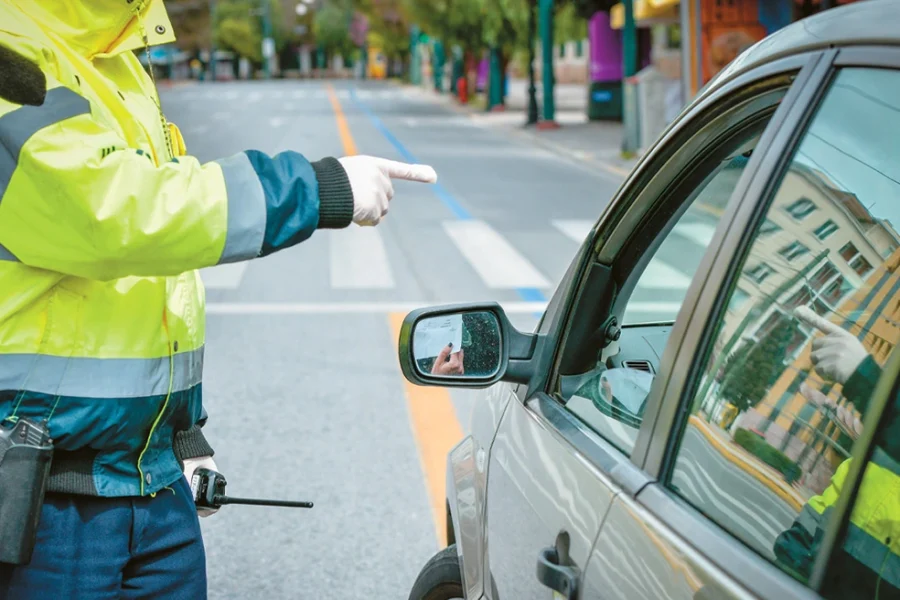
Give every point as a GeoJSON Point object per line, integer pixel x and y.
{"type": "Point", "coordinates": [468, 345]}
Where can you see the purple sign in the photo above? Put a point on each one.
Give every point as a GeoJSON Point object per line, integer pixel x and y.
{"type": "Point", "coordinates": [606, 49]}
{"type": "Point", "coordinates": [482, 76]}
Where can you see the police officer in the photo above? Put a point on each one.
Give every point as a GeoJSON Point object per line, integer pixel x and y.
{"type": "Point", "coordinates": [104, 220]}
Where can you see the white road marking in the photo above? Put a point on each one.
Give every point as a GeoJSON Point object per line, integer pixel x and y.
{"type": "Point", "coordinates": [298, 94]}
{"type": "Point", "coordinates": [197, 129]}
{"type": "Point", "coordinates": [701, 233]}
{"type": "Point", "coordinates": [230, 95]}
{"type": "Point", "coordinates": [344, 308]}
{"type": "Point", "coordinates": [289, 106]}
{"type": "Point", "coordinates": [651, 307]}
{"type": "Point", "coordinates": [359, 260]}
{"type": "Point", "coordinates": [276, 122]}
{"type": "Point", "coordinates": [343, 94]}
{"type": "Point", "coordinates": [223, 277]}
{"type": "Point", "coordinates": [277, 95]}
{"type": "Point", "coordinates": [364, 94]}
{"type": "Point", "coordinates": [576, 230]}
{"type": "Point", "coordinates": [496, 261]}
{"type": "Point", "coordinates": [254, 97]}
{"type": "Point", "coordinates": [659, 275]}
{"type": "Point", "coordinates": [210, 94]}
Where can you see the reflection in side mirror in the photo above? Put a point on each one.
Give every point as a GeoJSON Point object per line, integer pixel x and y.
{"type": "Point", "coordinates": [462, 345]}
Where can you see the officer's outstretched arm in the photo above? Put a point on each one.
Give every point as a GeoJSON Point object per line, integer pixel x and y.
{"type": "Point", "coordinates": [75, 198]}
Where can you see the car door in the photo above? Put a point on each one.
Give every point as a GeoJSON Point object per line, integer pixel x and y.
{"type": "Point", "coordinates": [565, 447]}
{"type": "Point", "coordinates": [775, 379]}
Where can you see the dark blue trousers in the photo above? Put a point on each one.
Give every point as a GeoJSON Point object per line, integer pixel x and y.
{"type": "Point", "coordinates": [117, 548]}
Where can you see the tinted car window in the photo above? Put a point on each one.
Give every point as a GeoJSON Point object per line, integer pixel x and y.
{"type": "Point", "coordinates": [811, 320]}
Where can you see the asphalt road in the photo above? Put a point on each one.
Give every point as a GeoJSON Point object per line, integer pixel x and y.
{"type": "Point", "coordinates": [302, 384]}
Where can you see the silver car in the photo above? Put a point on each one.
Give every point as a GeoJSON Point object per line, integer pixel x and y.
{"type": "Point", "coordinates": [692, 415]}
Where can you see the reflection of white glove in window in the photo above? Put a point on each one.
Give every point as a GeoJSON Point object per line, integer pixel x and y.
{"type": "Point", "coordinates": [370, 180]}
{"type": "Point", "coordinates": [191, 465]}
{"type": "Point", "coordinates": [837, 355]}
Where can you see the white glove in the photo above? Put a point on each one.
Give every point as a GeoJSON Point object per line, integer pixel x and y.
{"type": "Point", "coordinates": [191, 465]}
{"type": "Point", "coordinates": [370, 180]}
{"type": "Point", "coordinates": [837, 355]}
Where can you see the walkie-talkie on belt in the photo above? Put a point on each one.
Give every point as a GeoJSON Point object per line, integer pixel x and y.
{"type": "Point", "coordinates": [25, 454]}
{"type": "Point", "coordinates": [208, 489]}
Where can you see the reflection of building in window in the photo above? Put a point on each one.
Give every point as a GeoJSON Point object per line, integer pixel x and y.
{"type": "Point", "coordinates": [767, 227]}
{"type": "Point", "coordinates": [825, 229]}
{"type": "Point", "coordinates": [802, 208]}
{"type": "Point", "coordinates": [759, 272]}
{"type": "Point", "coordinates": [793, 250]}
{"type": "Point", "coordinates": [842, 274]}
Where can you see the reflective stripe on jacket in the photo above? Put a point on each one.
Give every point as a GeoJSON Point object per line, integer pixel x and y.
{"type": "Point", "coordinates": [873, 535]}
{"type": "Point", "coordinates": [103, 223]}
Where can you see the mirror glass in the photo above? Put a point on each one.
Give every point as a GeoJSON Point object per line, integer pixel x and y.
{"type": "Point", "coordinates": [464, 345]}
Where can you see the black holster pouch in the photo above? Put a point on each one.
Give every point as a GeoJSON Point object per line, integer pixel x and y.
{"type": "Point", "coordinates": [25, 454]}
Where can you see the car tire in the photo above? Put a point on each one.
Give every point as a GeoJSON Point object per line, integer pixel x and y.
{"type": "Point", "coordinates": [440, 578]}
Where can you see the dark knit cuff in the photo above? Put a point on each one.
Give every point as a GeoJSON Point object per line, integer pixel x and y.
{"type": "Point", "coordinates": [191, 443]}
{"type": "Point", "coordinates": [335, 194]}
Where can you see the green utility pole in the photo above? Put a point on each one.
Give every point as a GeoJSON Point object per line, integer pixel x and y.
{"type": "Point", "coordinates": [495, 81]}
{"type": "Point", "coordinates": [438, 62]}
{"type": "Point", "coordinates": [415, 69]}
{"type": "Point", "coordinates": [546, 26]}
{"type": "Point", "coordinates": [629, 91]}
{"type": "Point", "coordinates": [364, 57]}
{"type": "Point", "coordinates": [212, 39]}
{"type": "Point", "coordinates": [532, 117]}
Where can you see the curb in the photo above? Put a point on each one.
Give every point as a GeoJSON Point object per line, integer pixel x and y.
{"type": "Point", "coordinates": [781, 490]}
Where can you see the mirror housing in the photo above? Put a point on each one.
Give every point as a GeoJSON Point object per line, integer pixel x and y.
{"type": "Point", "coordinates": [514, 349]}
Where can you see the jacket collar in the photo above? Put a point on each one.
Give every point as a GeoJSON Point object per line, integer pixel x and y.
{"type": "Point", "coordinates": [99, 28]}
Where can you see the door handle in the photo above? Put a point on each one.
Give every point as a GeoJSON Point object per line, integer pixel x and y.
{"type": "Point", "coordinates": [561, 579]}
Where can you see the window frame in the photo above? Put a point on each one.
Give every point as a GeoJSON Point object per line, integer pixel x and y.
{"type": "Point", "coordinates": [766, 579]}
{"type": "Point", "coordinates": [824, 228]}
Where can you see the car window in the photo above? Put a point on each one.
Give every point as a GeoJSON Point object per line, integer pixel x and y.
{"type": "Point", "coordinates": [612, 401]}
{"type": "Point", "coordinates": [662, 286]}
{"type": "Point", "coordinates": [811, 318]}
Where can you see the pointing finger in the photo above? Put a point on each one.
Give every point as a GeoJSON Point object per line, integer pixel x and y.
{"type": "Point", "coordinates": [399, 170]}
{"type": "Point", "coordinates": [809, 317]}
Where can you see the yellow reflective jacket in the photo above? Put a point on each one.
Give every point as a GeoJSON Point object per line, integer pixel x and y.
{"type": "Point", "coordinates": [103, 223]}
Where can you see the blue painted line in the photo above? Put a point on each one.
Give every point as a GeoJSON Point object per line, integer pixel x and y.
{"type": "Point", "coordinates": [527, 294]}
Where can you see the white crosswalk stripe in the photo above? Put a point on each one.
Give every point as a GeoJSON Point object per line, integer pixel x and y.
{"type": "Point", "coordinates": [359, 259]}
{"type": "Point", "coordinates": [498, 264]}
{"type": "Point", "coordinates": [660, 276]}
{"type": "Point", "coordinates": [223, 277]}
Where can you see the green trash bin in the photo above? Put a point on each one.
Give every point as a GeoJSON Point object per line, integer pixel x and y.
{"type": "Point", "coordinates": [605, 101]}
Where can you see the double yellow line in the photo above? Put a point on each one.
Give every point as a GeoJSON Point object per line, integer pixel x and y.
{"type": "Point", "coordinates": [431, 413]}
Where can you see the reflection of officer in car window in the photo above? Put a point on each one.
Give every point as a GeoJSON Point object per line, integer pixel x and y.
{"type": "Point", "coordinates": [870, 557]}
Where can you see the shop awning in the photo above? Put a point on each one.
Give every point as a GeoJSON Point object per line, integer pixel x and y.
{"type": "Point", "coordinates": [646, 12]}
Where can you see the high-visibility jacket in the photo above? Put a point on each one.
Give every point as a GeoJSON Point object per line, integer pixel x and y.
{"type": "Point", "coordinates": [103, 222]}
{"type": "Point", "coordinates": [869, 557]}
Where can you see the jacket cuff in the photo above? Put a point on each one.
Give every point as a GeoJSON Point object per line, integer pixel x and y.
{"type": "Point", "coordinates": [335, 194]}
{"type": "Point", "coordinates": [191, 443]}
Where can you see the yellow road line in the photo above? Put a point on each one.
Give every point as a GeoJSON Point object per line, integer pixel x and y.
{"type": "Point", "coordinates": [343, 129]}
{"type": "Point", "coordinates": [436, 430]}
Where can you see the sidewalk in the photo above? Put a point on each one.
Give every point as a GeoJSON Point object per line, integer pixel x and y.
{"type": "Point", "coordinates": [597, 143]}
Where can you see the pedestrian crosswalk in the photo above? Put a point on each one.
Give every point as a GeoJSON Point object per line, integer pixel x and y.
{"type": "Point", "coordinates": [367, 258]}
